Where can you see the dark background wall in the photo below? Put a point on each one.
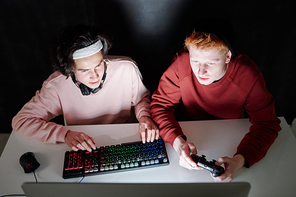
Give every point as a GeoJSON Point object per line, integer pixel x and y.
{"type": "Point", "coordinates": [149, 31]}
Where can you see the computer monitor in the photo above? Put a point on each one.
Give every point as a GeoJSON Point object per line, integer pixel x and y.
{"type": "Point", "coordinates": [233, 189]}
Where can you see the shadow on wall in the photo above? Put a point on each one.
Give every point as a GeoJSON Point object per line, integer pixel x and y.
{"type": "Point", "coordinates": [150, 32]}
{"type": "Point", "coordinates": [146, 31]}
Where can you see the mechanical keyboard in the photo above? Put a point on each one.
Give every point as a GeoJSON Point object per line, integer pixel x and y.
{"type": "Point", "coordinates": [115, 158]}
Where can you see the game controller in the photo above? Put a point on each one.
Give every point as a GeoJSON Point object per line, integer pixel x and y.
{"type": "Point", "coordinates": [208, 165]}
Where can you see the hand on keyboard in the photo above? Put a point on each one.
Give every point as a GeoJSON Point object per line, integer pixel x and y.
{"type": "Point", "coordinates": [79, 141]}
{"type": "Point", "coordinates": [148, 130]}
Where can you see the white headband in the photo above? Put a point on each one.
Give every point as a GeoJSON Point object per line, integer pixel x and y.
{"type": "Point", "coordinates": [88, 51]}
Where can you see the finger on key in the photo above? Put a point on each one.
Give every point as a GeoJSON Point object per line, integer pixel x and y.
{"type": "Point", "coordinates": [86, 146]}
{"type": "Point", "coordinates": [142, 131]}
{"type": "Point", "coordinates": [149, 134]}
{"type": "Point", "coordinates": [90, 142]}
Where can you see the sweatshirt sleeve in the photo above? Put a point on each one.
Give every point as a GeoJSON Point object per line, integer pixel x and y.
{"type": "Point", "coordinates": [265, 124]}
{"type": "Point", "coordinates": [164, 100]}
{"type": "Point", "coordinates": [33, 119]}
{"type": "Point", "coordinates": [140, 95]}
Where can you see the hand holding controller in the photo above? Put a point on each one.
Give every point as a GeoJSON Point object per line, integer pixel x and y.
{"type": "Point", "coordinates": [208, 165]}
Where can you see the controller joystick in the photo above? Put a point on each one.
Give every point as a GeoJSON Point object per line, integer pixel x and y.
{"type": "Point", "coordinates": [208, 165]}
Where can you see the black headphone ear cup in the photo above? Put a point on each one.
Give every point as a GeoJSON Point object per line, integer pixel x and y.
{"type": "Point", "coordinates": [84, 89]}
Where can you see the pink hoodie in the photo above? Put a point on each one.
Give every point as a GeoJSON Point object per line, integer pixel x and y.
{"type": "Point", "coordinates": [122, 93]}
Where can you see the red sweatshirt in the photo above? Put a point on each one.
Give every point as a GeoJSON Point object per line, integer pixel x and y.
{"type": "Point", "coordinates": [241, 87]}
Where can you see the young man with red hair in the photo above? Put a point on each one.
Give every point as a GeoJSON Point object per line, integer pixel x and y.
{"type": "Point", "coordinates": [208, 80]}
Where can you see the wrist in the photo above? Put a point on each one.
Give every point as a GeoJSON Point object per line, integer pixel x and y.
{"type": "Point", "coordinates": [66, 135]}
{"type": "Point", "coordinates": [240, 160]}
{"type": "Point", "coordinates": [178, 142]}
{"type": "Point", "coordinates": [142, 118]}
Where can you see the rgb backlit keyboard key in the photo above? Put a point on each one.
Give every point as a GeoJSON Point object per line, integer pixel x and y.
{"type": "Point", "coordinates": [115, 158]}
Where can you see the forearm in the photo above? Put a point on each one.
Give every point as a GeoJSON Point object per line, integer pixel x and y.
{"type": "Point", "coordinates": [169, 127]}
{"type": "Point", "coordinates": [164, 101]}
{"type": "Point", "coordinates": [142, 107]}
{"type": "Point", "coordinates": [48, 132]}
{"type": "Point", "coordinates": [33, 121]}
{"type": "Point", "coordinates": [265, 124]}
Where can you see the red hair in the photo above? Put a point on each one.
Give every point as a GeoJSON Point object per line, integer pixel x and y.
{"type": "Point", "coordinates": [206, 41]}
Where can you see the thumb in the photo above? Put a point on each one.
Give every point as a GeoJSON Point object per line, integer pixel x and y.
{"type": "Point", "coordinates": [221, 161]}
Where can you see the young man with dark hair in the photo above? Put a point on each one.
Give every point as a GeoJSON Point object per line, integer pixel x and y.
{"type": "Point", "coordinates": [88, 87]}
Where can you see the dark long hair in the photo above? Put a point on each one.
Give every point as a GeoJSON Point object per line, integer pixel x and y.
{"type": "Point", "coordinates": [71, 39]}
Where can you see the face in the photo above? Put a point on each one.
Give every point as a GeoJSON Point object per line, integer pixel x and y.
{"type": "Point", "coordinates": [89, 70]}
{"type": "Point", "coordinates": [208, 65]}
